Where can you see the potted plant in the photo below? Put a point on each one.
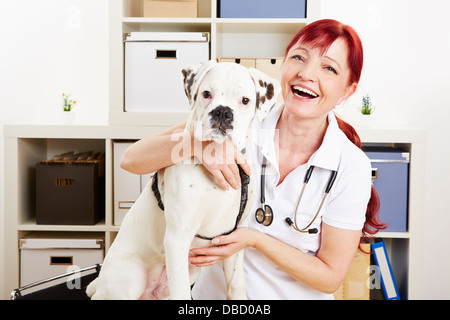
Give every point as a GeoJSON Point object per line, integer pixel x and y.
{"type": "Point", "coordinates": [366, 111]}
{"type": "Point", "coordinates": [68, 105]}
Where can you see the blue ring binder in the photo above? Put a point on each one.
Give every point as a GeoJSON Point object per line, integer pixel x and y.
{"type": "Point", "coordinates": [388, 283]}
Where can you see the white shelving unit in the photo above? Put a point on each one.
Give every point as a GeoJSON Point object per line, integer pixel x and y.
{"type": "Point", "coordinates": [259, 38]}
{"type": "Point", "coordinates": [27, 144]}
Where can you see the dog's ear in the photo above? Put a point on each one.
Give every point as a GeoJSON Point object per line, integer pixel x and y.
{"type": "Point", "coordinates": [267, 91]}
{"type": "Point", "coordinates": [193, 76]}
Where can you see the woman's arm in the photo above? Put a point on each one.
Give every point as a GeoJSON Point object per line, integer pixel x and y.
{"type": "Point", "coordinates": [324, 272]}
{"type": "Point", "coordinates": [154, 153]}
{"type": "Point", "coordinates": [176, 145]}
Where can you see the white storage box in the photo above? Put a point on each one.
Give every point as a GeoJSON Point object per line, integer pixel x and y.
{"type": "Point", "coordinates": [44, 255]}
{"type": "Point", "coordinates": [127, 186]}
{"type": "Point", "coordinates": [153, 65]}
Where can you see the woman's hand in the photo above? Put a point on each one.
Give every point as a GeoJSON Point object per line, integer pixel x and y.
{"type": "Point", "coordinates": [225, 246]}
{"type": "Point", "coordinates": [221, 159]}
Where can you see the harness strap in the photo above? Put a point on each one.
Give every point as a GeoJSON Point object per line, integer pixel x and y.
{"type": "Point", "coordinates": [156, 191]}
{"type": "Point", "coordinates": [245, 180]}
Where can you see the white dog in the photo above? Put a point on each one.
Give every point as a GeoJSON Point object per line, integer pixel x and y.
{"type": "Point", "coordinates": [186, 208]}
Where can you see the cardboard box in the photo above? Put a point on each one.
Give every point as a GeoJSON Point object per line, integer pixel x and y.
{"type": "Point", "coordinates": [270, 66]}
{"type": "Point", "coordinates": [153, 65]}
{"type": "Point", "coordinates": [170, 8]}
{"type": "Point", "coordinates": [355, 285]}
{"type": "Point", "coordinates": [262, 9]}
{"type": "Point", "coordinates": [48, 254]}
{"type": "Point", "coordinates": [70, 192]}
{"type": "Point", "coordinates": [246, 62]}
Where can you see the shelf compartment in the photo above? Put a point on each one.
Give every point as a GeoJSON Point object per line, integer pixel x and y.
{"type": "Point", "coordinates": [29, 152]}
{"type": "Point", "coordinates": [258, 38]}
{"type": "Point", "coordinates": [134, 8]}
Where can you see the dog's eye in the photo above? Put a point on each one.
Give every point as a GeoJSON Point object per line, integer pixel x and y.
{"type": "Point", "coordinates": [206, 94]}
{"type": "Point", "coordinates": [245, 100]}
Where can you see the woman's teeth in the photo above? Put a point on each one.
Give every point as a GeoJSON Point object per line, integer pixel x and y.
{"type": "Point", "coordinates": [304, 93]}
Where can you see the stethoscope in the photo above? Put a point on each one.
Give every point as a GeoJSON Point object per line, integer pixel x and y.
{"type": "Point", "coordinates": [264, 214]}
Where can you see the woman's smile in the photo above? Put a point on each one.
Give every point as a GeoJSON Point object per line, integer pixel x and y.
{"type": "Point", "coordinates": [303, 92]}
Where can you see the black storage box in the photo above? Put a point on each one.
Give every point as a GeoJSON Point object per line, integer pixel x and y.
{"type": "Point", "coordinates": [70, 192]}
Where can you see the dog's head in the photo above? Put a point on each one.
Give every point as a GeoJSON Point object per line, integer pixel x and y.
{"type": "Point", "coordinates": [225, 97]}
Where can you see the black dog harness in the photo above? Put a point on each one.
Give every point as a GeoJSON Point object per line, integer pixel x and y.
{"type": "Point", "coordinates": [245, 180]}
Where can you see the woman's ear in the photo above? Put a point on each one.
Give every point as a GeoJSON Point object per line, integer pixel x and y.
{"type": "Point", "coordinates": [349, 91]}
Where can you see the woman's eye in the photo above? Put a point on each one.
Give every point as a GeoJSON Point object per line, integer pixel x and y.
{"type": "Point", "coordinates": [206, 94]}
{"type": "Point", "coordinates": [245, 101]}
{"type": "Point", "coordinates": [297, 57]}
{"type": "Point", "coordinates": [331, 69]}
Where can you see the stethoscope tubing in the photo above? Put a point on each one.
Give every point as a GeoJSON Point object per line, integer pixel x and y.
{"type": "Point", "coordinates": [264, 214]}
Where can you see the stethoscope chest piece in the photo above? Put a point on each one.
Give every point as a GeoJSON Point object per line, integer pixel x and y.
{"type": "Point", "coordinates": [264, 216]}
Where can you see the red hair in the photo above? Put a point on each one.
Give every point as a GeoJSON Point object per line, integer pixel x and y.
{"type": "Point", "coordinates": [373, 223]}
{"type": "Point", "coordinates": [321, 34]}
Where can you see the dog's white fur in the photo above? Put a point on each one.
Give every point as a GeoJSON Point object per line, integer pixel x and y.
{"type": "Point", "coordinates": [152, 245]}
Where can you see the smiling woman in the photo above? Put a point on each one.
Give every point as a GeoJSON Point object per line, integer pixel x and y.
{"type": "Point", "coordinates": [321, 69]}
{"type": "Point", "coordinates": [321, 36]}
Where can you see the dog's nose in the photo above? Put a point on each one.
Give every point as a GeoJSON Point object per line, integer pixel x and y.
{"type": "Point", "coordinates": [222, 114]}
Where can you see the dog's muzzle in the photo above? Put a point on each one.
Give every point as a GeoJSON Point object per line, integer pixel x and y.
{"type": "Point", "coordinates": [222, 119]}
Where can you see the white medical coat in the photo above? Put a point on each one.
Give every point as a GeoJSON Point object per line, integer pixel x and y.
{"type": "Point", "coordinates": [345, 208]}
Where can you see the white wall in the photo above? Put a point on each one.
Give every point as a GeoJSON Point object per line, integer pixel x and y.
{"type": "Point", "coordinates": [52, 46]}
{"type": "Point", "coordinates": [48, 47]}
{"type": "Point", "coordinates": [407, 74]}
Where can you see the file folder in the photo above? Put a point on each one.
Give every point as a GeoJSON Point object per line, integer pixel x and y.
{"type": "Point", "coordinates": [387, 276]}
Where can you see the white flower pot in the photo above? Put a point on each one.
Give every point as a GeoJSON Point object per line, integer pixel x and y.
{"type": "Point", "coordinates": [68, 117]}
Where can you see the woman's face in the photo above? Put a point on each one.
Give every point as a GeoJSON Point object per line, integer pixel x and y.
{"type": "Point", "coordinates": [313, 84]}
